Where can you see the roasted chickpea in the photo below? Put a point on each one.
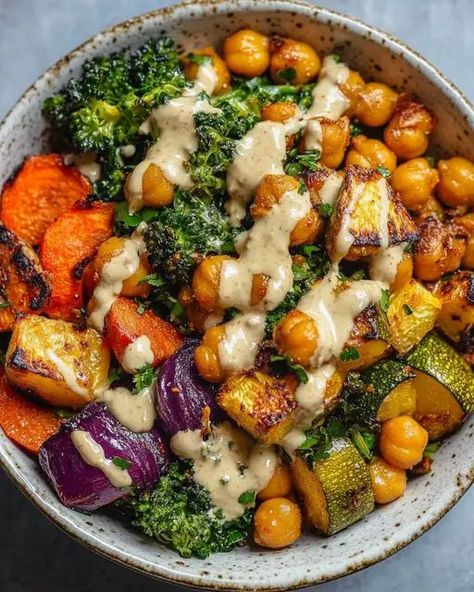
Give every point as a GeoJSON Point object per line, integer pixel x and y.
{"type": "Point", "coordinates": [280, 112]}
{"type": "Point", "coordinates": [376, 104]}
{"type": "Point", "coordinates": [191, 68]}
{"type": "Point", "coordinates": [277, 523]}
{"type": "Point", "coordinates": [352, 88]}
{"type": "Point", "coordinates": [432, 208]}
{"type": "Point", "coordinates": [415, 181]}
{"type": "Point", "coordinates": [404, 273]}
{"type": "Point", "coordinates": [402, 442]}
{"type": "Point", "coordinates": [332, 137]}
{"type": "Point", "coordinates": [370, 154]}
{"type": "Point", "coordinates": [297, 336]}
{"type": "Point", "coordinates": [206, 355]}
{"type": "Point", "coordinates": [246, 53]}
{"type": "Point", "coordinates": [259, 288]}
{"type": "Point", "coordinates": [132, 287]}
{"type": "Point", "coordinates": [156, 192]}
{"type": "Point", "coordinates": [198, 317]}
{"type": "Point", "coordinates": [292, 61]}
{"type": "Point", "coordinates": [407, 133]}
{"type": "Point", "coordinates": [439, 250]}
{"type": "Point", "coordinates": [269, 192]}
{"type": "Point", "coordinates": [279, 485]}
{"type": "Point", "coordinates": [388, 483]}
{"type": "Point", "coordinates": [206, 280]}
{"type": "Point", "coordinates": [467, 222]}
{"type": "Point", "coordinates": [456, 184]}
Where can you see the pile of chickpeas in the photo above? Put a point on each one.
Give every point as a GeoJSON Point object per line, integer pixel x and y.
{"type": "Point", "coordinates": [438, 197]}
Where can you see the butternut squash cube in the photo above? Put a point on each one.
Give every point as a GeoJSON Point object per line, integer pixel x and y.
{"type": "Point", "coordinates": [56, 361]}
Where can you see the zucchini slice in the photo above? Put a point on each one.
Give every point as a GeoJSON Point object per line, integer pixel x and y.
{"type": "Point", "coordinates": [411, 314]}
{"type": "Point", "coordinates": [337, 490]}
{"type": "Point", "coordinates": [444, 386]}
{"type": "Point", "coordinates": [389, 393]}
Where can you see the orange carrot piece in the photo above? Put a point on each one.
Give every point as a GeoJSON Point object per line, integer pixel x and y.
{"type": "Point", "coordinates": [43, 189]}
{"type": "Point", "coordinates": [124, 324]}
{"type": "Point", "coordinates": [68, 246]}
{"type": "Point", "coordinates": [25, 422]}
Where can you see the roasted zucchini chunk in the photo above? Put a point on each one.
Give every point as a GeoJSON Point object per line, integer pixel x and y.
{"type": "Point", "coordinates": [56, 361]}
{"type": "Point", "coordinates": [24, 287]}
{"type": "Point", "coordinates": [456, 318]}
{"type": "Point", "coordinates": [411, 314]}
{"type": "Point", "coordinates": [444, 386]}
{"type": "Point", "coordinates": [336, 491]}
{"type": "Point", "coordinates": [367, 337]}
{"type": "Point", "coordinates": [386, 391]}
{"type": "Point", "coordinates": [358, 210]}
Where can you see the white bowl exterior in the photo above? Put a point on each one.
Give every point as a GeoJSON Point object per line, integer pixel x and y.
{"type": "Point", "coordinates": [312, 559]}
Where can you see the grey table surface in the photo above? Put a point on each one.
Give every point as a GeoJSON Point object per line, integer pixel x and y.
{"type": "Point", "coordinates": [34, 555]}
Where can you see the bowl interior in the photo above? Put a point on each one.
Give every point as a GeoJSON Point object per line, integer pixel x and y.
{"type": "Point", "coordinates": [312, 559]}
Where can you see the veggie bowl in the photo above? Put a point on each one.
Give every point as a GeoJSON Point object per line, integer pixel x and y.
{"type": "Point", "coordinates": [237, 294]}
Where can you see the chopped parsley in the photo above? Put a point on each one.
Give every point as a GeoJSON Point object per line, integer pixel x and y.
{"type": "Point", "coordinates": [287, 364]}
{"type": "Point", "coordinates": [431, 450]}
{"type": "Point", "coordinates": [349, 353]}
{"type": "Point", "coordinates": [143, 378]}
{"type": "Point", "coordinates": [198, 59]}
{"type": "Point", "coordinates": [121, 463]}
{"type": "Point", "coordinates": [325, 209]}
{"type": "Point", "coordinates": [288, 74]}
{"type": "Point", "coordinates": [247, 498]}
{"type": "Point", "coordinates": [385, 300]}
{"type": "Point", "coordinates": [407, 309]}
{"type": "Point", "coordinates": [318, 443]}
{"type": "Point", "coordinates": [384, 172]}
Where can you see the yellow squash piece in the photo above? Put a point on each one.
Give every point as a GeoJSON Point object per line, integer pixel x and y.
{"type": "Point", "coordinates": [412, 313]}
{"type": "Point", "coordinates": [56, 361]}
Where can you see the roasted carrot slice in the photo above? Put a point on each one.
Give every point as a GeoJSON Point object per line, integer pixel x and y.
{"type": "Point", "coordinates": [43, 189]}
{"type": "Point", "coordinates": [24, 287]}
{"type": "Point", "coordinates": [25, 422]}
{"type": "Point", "coordinates": [68, 246]}
{"type": "Point", "coordinates": [124, 324]}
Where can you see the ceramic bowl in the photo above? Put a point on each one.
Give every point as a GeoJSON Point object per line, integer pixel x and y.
{"type": "Point", "coordinates": [382, 533]}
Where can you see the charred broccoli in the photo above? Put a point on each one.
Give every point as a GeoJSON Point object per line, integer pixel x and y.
{"type": "Point", "coordinates": [179, 513]}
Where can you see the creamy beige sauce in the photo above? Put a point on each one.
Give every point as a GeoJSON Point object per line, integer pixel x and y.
{"type": "Point", "coordinates": [227, 464]}
{"type": "Point", "coordinates": [239, 347]}
{"type": "Point", "coordinates": [177, 139]}
{"type": "Point", "coordinates": [330, 189]}
{"type": "Point", "coordinates": [135, 412]}
{"type": "Point", "coordinates": [384, 264]}
{"type": "Point", "coordinates": [112, 276]}
{"type": "Point", "coordinates": [260, 152]}
{"type": "Point", "coordinates": [87, 164]}
{"type": "Point", "coordinates": [313, 139]}
{"type": "Point", "coordinates": [68, 374]}
{"type": "Point", "coordinates": [137, 354]}
{"type": "Point", "coordinates": [334, 311]}
{"type": "Point", "coordinates": [328, 99]}
{"type": "Point", "coordinates": [264, 250]}
{"type": "Point", "coordinates": [93, 454]}
{"type": "Point", "coordinates": [128, 150]}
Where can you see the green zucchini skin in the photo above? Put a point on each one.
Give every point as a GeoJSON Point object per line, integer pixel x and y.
{"type": "Point", "coordinates": [346, 483]}
{"type": "Point", "coordinates": [379, 380]}
{"type": "Point", "coordinates": [434, 356]}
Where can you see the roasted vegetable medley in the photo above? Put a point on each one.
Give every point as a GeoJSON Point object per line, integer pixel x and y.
{"type": "Point", "coordinates": [238, 298]}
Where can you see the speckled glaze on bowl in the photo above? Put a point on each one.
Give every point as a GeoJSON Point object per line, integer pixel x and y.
{"type": "Point", "coordinates": [382, 533]}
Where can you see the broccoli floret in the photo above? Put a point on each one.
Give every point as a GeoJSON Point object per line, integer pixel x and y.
{"type": "Point", "coordinates": [315, 265]}
{"type": "Point", "coordinates": [102, 110]}
{"type": "Point", "coordinates": [179, 513]}
{"type": "Point", "coordinates": [185, 232]}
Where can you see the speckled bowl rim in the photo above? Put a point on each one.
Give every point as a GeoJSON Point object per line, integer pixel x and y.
{"type": "Point", "coordinates": [337, 19]}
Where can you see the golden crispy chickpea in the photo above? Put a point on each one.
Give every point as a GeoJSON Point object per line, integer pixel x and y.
{"type": "Point", "coordinates": [404, 273]}
{"type": "Point", "coordinates": [280, 112]}
{"type": "Point", "coordinates": [407, 133]}
{"type": "Point", "coordinates": [439, 250]}
{"type": "Point", "coordinates": [388, 483]}
{"type": "Point", "coordinates": [415, 181]}
{"type": "Point", "coordinates": [279, 485]}
{"type": "Point", "coordinates": [259, 288]}
{"type": "Point", "coordinates": [297, 336]}
{"type": "Point", "coordinates": [191, 68]}
{"type": "Point", "coordinates": [157, 190]}
{"type": "Point", "coordinates": [206, 355]}
{"type": "Point", "coordinates": [206, 280]}
{"type": "Point", "coordinates": [467, 223]}
{"type": "Point", "coordinates": [370, 154]}
{"type": "Point", "coordinates": [132, 287]}
{"type": "Point", "coordinates": [402, 442]}
{"type": "Point", "coordinates": [292, 61]}
{"type": "Point", "coordinates": [456, 184]}
{"type": "Point", "coordinates": [329, 136]}
{"type": "Point", "coordinates": [376, 104]}
{"type": "Point", "coordinates": [277, 523]}
{"type": "Point", "coordinates": [246, 53]}
{"type": "Point", "coordinates": [197, 316]}
{"type": "Point", "coordinates": [432, 208]}
{"type": "Point", "coordinates": [269, 192]}
{"type": "Point", "coordinates": [352, 88]}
